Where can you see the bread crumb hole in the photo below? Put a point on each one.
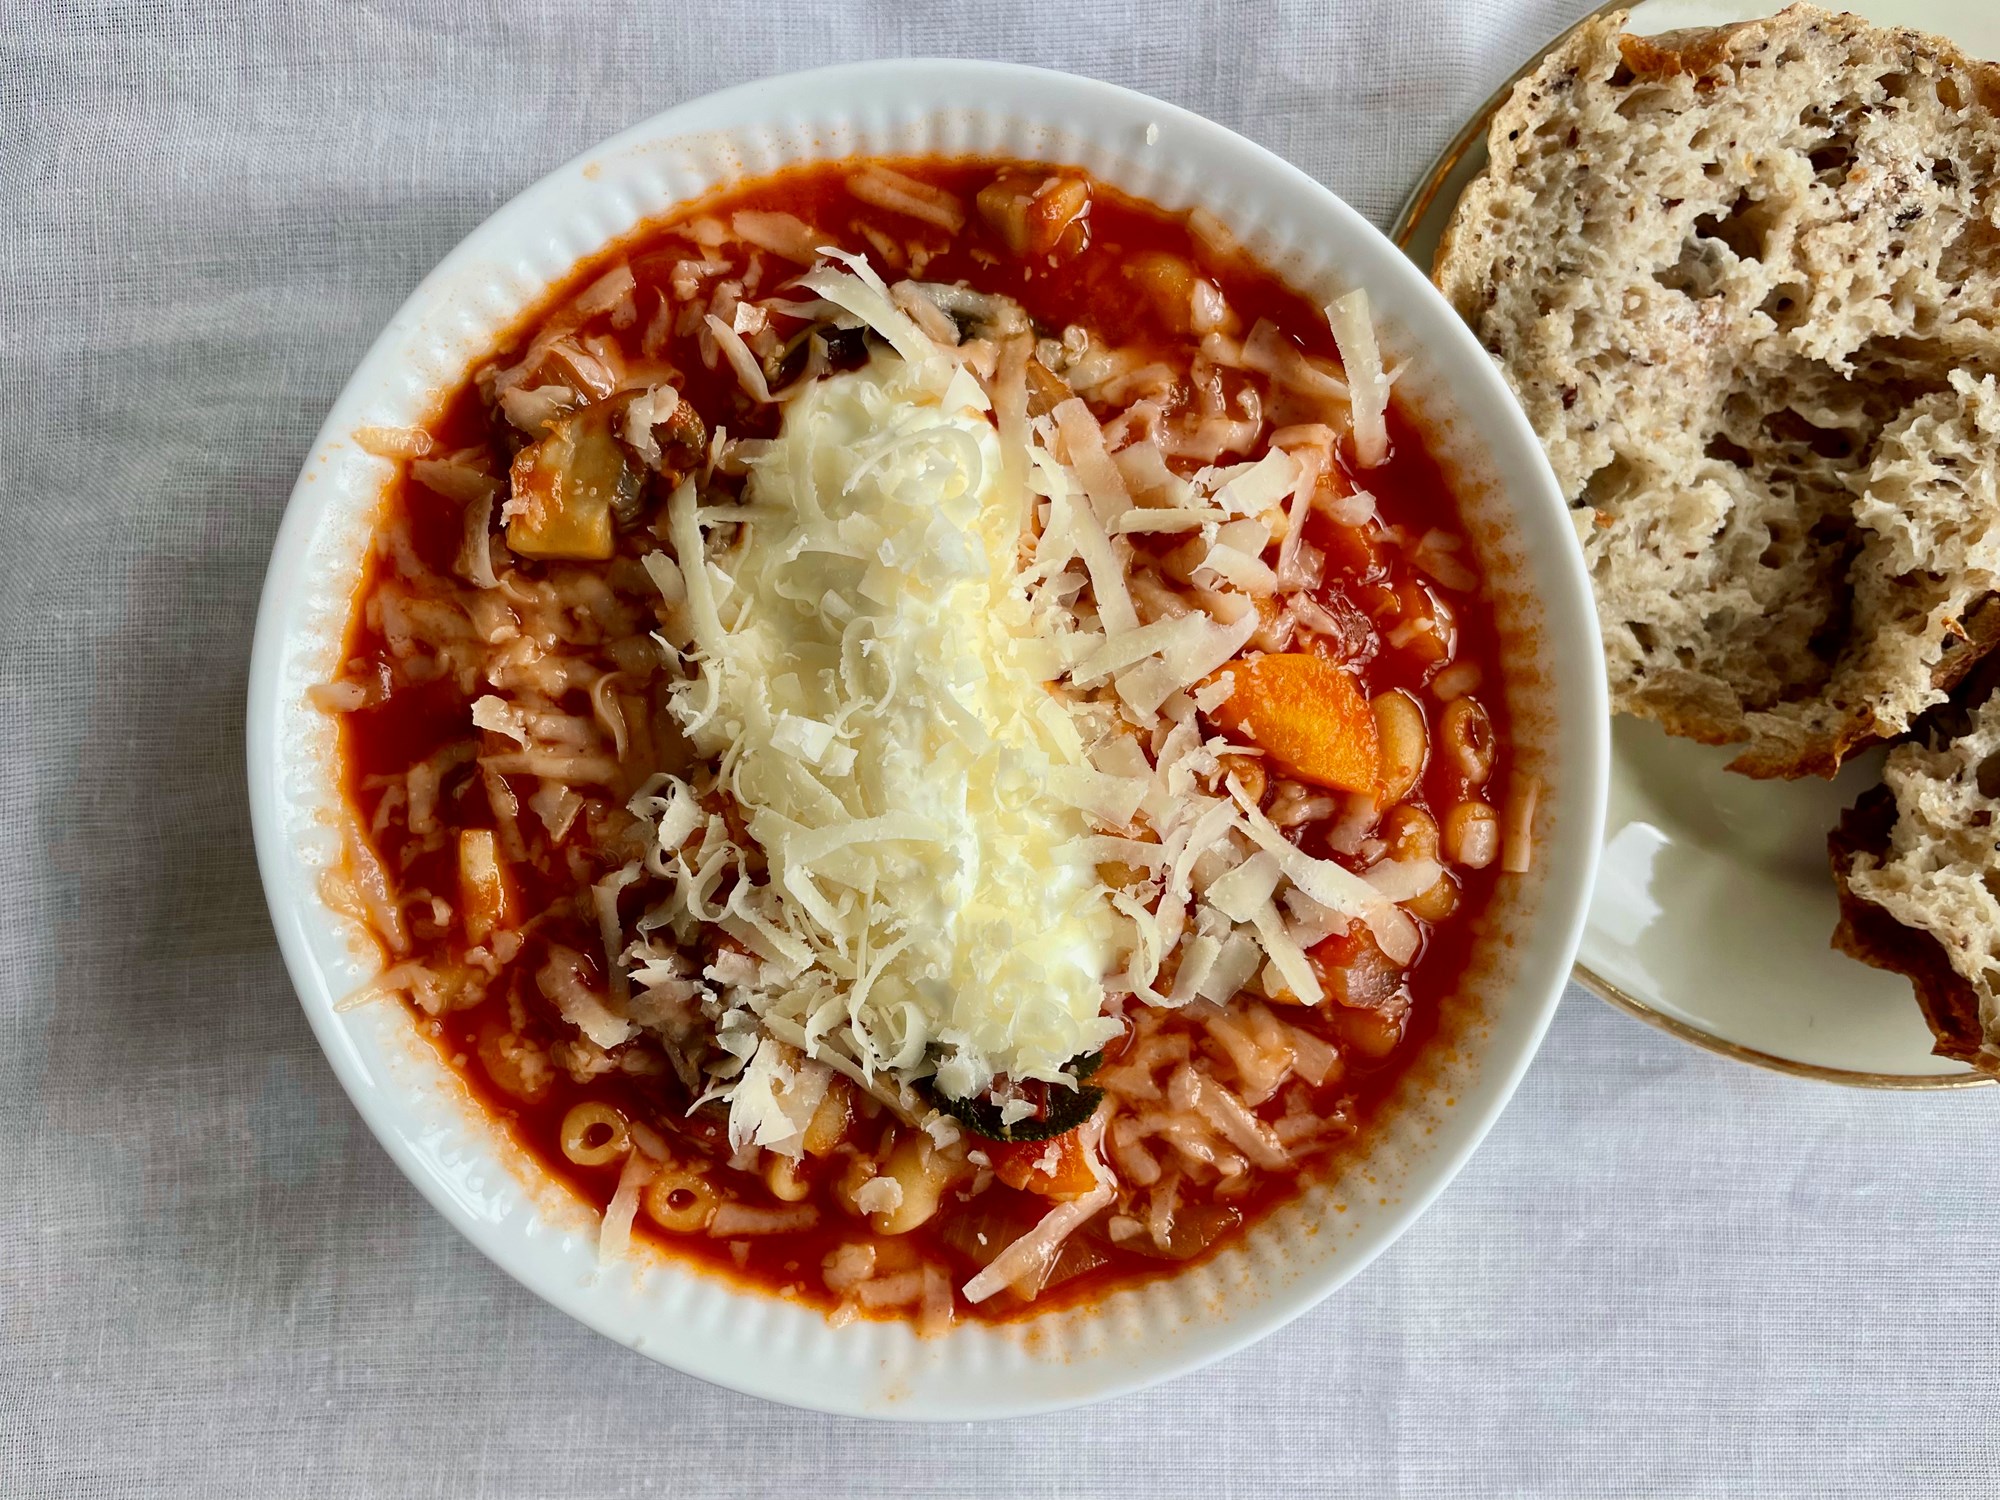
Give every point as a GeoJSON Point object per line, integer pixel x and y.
{"type": "Point", "coordinates": [1643, 101]}
{"type": "Point", "coordinates": [1988, 778]}
{"type": "Point", "coordinates": [1787, 426]}
{"type": "Point", "coordinates": [1831, 160]}
{"type": "Point", "coordinates": [1609, 486]}
{"type": "Point", "coordinates": [1698, 272]}
{"type": "Point", "coordinates": [1785, 305]}
{"type": "Point", "coordinates": [1720, 447]}
{"type": "Point", "coordinates": [1742, 229]}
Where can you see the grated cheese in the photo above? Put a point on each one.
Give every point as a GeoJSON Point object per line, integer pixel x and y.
{"type": "Point", "coordinates": [749, 374]}
{"type": "Point", "coordinates": [614, 1235]}
{"type": "Point", "coordinates": [1246, 890]}
{"type": "Point", "coordinates": [916, 662]}
{"type": "Point", "coordinates": [498, 716]}
{"type": "Point", "coordinates": [928, 872]}
{"type": "Point", "coordinates": [1354, 335]}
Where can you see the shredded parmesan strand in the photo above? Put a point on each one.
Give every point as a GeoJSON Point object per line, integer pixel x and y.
{"type": "Point", "coordinates": [1354, 333]}
{"type": "Point", "coordinates": [883, 187]}
{"type": "Point", "coordinates": [749, 374]}
{"type": "Point", "coordinates": [393, 442]}
{"type": "Point", "coordinates": [876, 611]}
{"type": "Point", "coordinates": [614, 1235]}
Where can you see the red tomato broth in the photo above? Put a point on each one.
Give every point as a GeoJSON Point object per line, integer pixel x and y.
{"type": "Point", "coordinates": [1093, 288]}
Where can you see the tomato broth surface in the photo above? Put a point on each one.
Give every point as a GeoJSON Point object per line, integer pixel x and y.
{"type": "Point", "coordinates": [483, 852]}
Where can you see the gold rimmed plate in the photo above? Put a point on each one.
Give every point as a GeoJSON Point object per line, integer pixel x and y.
{"type": "Point", "coordinates": [1714, 908]}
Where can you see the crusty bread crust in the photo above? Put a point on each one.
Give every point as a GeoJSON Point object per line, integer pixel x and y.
{"type": "Point", "coordinates": [1949, 1002]}
{"type": "Point", "coordinates": [1745, 283]}
{"type": "Point", "coordinates": [1697, 52]}
{"type": "Point", "coordinates": [1916, 862]}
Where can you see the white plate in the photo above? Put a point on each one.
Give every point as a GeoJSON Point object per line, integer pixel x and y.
{"type": "Point", "coordinates": [693, 1320]}
{"type": "Point", "coordinates": [1714, 907]}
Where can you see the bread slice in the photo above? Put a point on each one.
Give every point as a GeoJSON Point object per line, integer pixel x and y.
{"type": "Point", "coordinates": [1744, 282]}
{"type": "Point", "coordinates": [1917, 863]}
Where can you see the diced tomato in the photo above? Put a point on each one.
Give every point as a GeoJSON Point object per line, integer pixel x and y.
{"type": "Point", "coordinates": [1424, 626]}
{"type": "Point", "coordinates": [1354, 970]}
{"type": "Point", "coordinates": [1057, 1168]}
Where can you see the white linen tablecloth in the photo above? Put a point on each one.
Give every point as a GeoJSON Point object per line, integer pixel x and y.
{"type": "Point", "coordinates": [1664, 1273]}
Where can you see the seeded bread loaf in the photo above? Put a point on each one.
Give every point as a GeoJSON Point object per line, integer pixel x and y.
{"type": "Point", "coordinates": [1745, 283]}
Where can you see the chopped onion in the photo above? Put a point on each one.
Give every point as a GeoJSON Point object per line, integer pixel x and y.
{"type": "Point", "coordinates": [733, 1219]}
{"type": "Point", "coordinates": [1517, 842]}
{"type": "Point", "coordinates": [780, 233]}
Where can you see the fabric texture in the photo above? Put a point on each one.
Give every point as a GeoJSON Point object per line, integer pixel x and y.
{"type": "Point", "coordinates": [1663, 1274]}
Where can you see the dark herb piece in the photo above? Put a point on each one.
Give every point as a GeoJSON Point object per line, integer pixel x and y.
{"type": "Point", "coordinates": [1060, 1110]}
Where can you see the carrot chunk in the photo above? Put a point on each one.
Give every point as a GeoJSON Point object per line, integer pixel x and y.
{"type": "Point", "coordinates": [1309, 717]}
